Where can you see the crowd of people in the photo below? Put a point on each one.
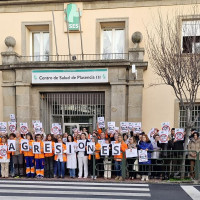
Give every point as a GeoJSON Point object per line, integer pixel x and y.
{"type": "Point", "coordinates": [79, 164]}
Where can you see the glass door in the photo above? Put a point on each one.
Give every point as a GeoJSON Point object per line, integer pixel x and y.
{"type": "Point", "coordinates": [68, 127]}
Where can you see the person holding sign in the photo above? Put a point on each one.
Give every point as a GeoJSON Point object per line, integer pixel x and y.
{"type": "Point", "coordinates": [29, 156]}
{"type": "Point", "coordinates": [95, 156]}
{"type": "Point", "coordinates": [118, 158]}
{"type": "Point", "coordinates": [60, 158]}
{"type": "Point", "coordinates": [39, 156]}
{"type": "Point", "coordinates": [146, 145]}
{"type": "Point", "coordinates": [4, 158]}
{"type": "Point", "coordinates": [71, 156]}
{"type": "Point", "coordinates": [132, 145]}
{"type": "Point", "coordinates": [18, 157]}
{"type": "Point", "coordinates": [49, 156]}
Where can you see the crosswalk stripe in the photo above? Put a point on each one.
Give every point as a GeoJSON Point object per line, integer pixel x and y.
{"type": "Point", "coordinates": [191, 191]}
{"type": "Point", "coordinates": [74, 192]}
{"type": "Point", "coordinates": [74, 183]}
{"type": "Point", "coordinates": [72, 187]}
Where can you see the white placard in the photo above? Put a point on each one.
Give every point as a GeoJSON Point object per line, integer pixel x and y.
{"type": "Point", "coordinates": [24, 128]}
{"type": "Point", "coordinates": [25, 145]}
{"type": "Point", "coordinates": [12, 126]}
{"type": "Point", "coordinates": [36, 148]}
{"type": "Point", "coordinates": [101, 122]}
{"type": "Point", "coordinates": [143, 157]}
{"type": "Point", "coordinates": [130, 153]}
{"type": "Point", "coordinates": [11, 145]}
{"type": "Point", "coordinates": [124, 127]}
{"type": "Point", "coordinates": [101, 142]}
{"type": "Point", "coordinates": [116, 149]}
{"type": "Point", "coordinates": [130, 126]}
{"type": "Point", "coordinates": [111, 127]}
{"type": "Point", "coordinates": [3, 152]}
{"type": "Point", "coordinates": [55, 129]}
{"type": "Point", "coordinates": [47, 147]}
{"type": "Point", "coordinates": [90, 147]}
{"type": "Point", "coordinates": [81, 145]}
{"type": "Point", "coordinates": [105, 149]}
{"type": "Point", "coordinates": [70, 76]}
{"type": "Point", "coordinates": [3, 127]}
{"type": "Point", "coordinates": [37, 127]}
{"type": "Point", "coordinates": [163, 136]}
{"type": "Point", "coordinates": [70, 147]}
{"type": "Point", "coordinates": [165, 126]}
{"type": "Point", "coordinates": [137, 126]}
{"type": "Point", "coordinates": [179, 134]}
{"type": "Point", "coordinates": [58, 148]}
{"type": "Point", "coordinates": [12, 118]}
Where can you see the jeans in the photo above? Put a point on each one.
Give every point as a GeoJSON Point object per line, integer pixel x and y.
{"type": "Point", "coordinates": [72, 172]}
{"type": "Point", "coordinates": [11, 166]}
{"type": "Point", "coordinates": [59, 169]}
{"type": "Point", "coordinates": [18, 161]}
{"type": "Point", "coordinates": [118, 168]}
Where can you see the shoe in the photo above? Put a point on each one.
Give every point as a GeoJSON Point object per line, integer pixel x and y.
{"type": "Point", "coordinates": [79, 177]}
{"type": "Point", "coordinates": [95, 177]}
{"type": "Point", "coordinates": [120, 178]}
{"type": "Point", "coordinates": [117, 178]}
{"type": "Point", "coordinates": [84, 177]}
{"type": "Point", "coordinates": [143, 177]}
{"type": "Point", "coordinates": [147, 178]}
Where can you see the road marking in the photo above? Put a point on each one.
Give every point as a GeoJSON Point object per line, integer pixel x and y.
{"type": "Point", "coordinates": [72, 187]}
{"type": "Point", "coordinates": [73, 183]}
{"type": "Point", "coordinates": [191, 191]}
{"type": "Point", "coordinates": [53, 198]}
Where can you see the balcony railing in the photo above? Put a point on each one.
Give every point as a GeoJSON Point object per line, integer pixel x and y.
{"type": "Point", "coordinates": [75, 57]}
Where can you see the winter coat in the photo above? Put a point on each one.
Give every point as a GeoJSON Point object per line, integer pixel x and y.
{"type": "Point", "coordinates": [165, 148]}
{"type": "Point", "coordinates": [146, 145]}
{"type": "Point", "coordinates": [194, 145]}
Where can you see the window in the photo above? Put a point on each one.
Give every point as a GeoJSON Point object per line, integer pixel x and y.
{"type": "Point", "coordinates": [113, 43]}
{"type": "Point", "coordinates": [40, 46]}
{"type": "Point", "coordinates": [183, 119]}
{"type": "Point", "coordinates": [191, 36]}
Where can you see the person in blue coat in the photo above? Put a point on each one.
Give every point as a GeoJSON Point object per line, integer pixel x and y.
{"type": "Point", "coordinates": [145, 144]}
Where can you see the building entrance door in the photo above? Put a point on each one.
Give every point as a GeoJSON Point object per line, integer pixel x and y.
{"type": "Point", "coordinates": [68, 127]}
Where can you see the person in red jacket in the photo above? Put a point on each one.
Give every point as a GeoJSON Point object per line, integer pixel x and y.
{"type": "Point", "coordinates": [118, 158]}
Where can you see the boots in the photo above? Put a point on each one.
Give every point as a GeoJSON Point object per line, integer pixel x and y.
{"type": "Point", "coordinates": [147, 178]}
{"type": "Point", "coordinates": [143, 177]}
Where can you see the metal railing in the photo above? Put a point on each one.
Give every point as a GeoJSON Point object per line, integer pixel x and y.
{"type": "Point", "coordinates": [75, 57]}
{"type": "Point", "coordinates": [168, 164]}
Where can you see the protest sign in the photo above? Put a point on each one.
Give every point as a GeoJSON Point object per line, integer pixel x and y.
{"type": "Point", "coordinates": [58, 148]}
{"type": "Point", "coordinates": [47, 147]}
{"type": "Point", "coordinates": [105, 149]}
{"type": "Point", "coordinates": [23, 128]}
{"type": "Point", "coordinates": [130, 153]}
{"type": "Point", "coordinates": [137, 127]}
{"type": "Point", "coordinates": [36, 148]}
{"type": "Point", "coordinates": [37, 126]}
{"type": "Point", "coordinates": [3, 127]}
{"type": "Point", "coordinates": [163, 136]}
{"type": "Point", "coordinates": [142, 155]}
{"type": "Point", "coordinates": [111, 127]}
{"type": "Point", "coordinates": [64, 140]}
{"type": "Point", "coordinates": [81, 145]}
{"type": "Point", "coordinates": [70, 147]}
{"type": "Point", "coordinates": [101, 142]}
{"type": "Point", "coordinates": [124, 127]}
{"type": "Point", "coordinates": [12, 126]}
{"type": "Point", "coordinates": [3, 151]}
{"type": "Point", "coordinates": [179, 134]}
{"type": "Point", "coordinates": [130, 126]}
{"type": "Point", "coordinates": [11, 145]}
{"type": "Point", "coordinates": [116, 149]}
{"type": "Point", "coordinates": [24, 145]}
{"type": "Point", "coordinates": [55, 129]}
{"type": "Point", "coordinates": [165, 126]}
{"type": "Point", "coordinates": [101, 122]}
{"type": "Point", "coordinates": [12, 118]}
{"type": "Point", "coordinates": [90, 147]}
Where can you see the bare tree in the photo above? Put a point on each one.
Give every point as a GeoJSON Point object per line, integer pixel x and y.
{"type": "Point", "coordinates": [174, 53]}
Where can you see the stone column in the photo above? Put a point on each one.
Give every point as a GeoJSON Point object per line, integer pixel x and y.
{"type": "Point", "coordinates": [118, 102]}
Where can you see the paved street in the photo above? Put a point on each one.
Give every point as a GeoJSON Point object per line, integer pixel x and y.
{"type": "Point", "coordinates": [17, 189]}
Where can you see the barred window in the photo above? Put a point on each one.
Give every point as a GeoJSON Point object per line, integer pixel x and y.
{"type": "Point", "coordinates": [183, 118]}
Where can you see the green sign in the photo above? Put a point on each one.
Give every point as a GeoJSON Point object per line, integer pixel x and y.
{"type": "Point", "coordinates": [72, 17]}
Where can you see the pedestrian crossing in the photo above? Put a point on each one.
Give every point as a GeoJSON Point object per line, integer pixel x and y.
{"type": "Point", "coordinates": [29, 190]}
{"type": "Point", "coordinates": [192, 191]}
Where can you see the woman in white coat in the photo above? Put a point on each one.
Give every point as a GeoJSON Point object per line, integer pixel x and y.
{"type": "Point", "coordinates": [71, 157]}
